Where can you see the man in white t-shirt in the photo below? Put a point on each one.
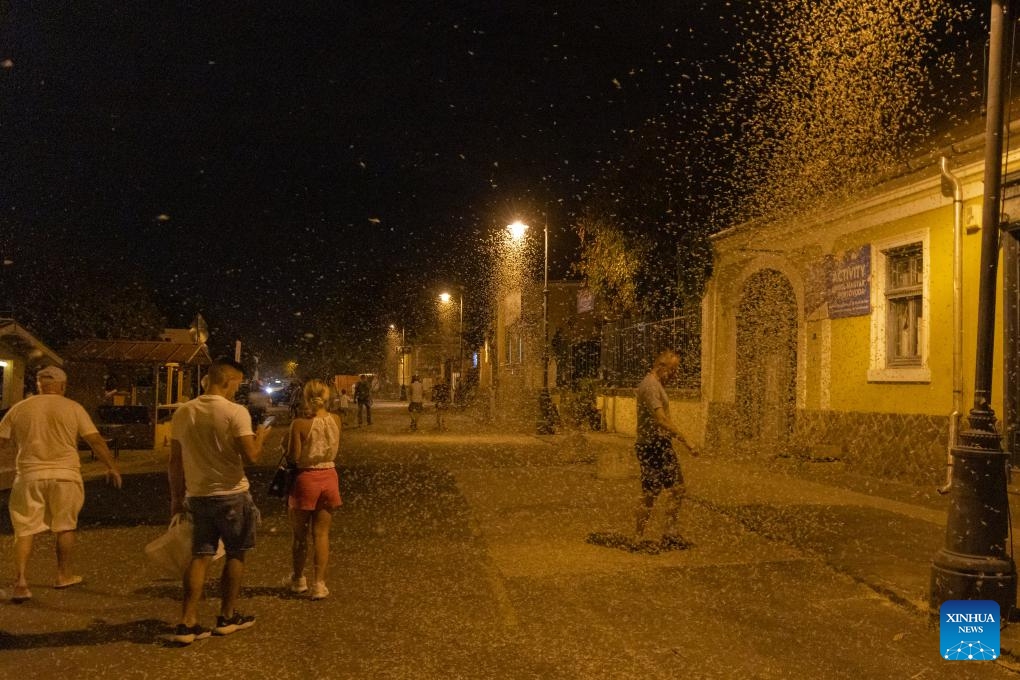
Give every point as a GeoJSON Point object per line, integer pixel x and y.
{"type": "Point", "coordinates": [211, 439]}
{"type": "Point", "coordinates": [48, 492]}
{"type": "Point", "coordinates": [417, 402]}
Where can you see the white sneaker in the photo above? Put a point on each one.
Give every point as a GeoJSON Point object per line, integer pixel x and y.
{"type": "Point", "coordinates": [296, 585]}
{"type": "Point", "coordinates": [319, 591]}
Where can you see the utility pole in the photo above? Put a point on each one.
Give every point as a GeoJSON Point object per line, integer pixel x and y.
{"type": "Point", "coordinates": [545, 405]}
{"type": "Point", "coordinates": [975, 563]}
{"type": "Point", "coordinates": [460, 352]}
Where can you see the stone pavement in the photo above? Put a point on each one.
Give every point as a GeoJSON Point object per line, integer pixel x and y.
{"type": "Point", "coordinates": [880, 534]}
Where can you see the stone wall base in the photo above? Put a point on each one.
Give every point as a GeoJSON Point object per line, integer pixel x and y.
{"type": "Point", "coordinates": [903, 447]}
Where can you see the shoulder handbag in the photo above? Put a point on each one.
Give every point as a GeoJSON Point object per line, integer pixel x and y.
{"type": "Point", "coordinates": [283, 479]}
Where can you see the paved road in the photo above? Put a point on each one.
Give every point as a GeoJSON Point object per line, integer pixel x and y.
{"type": "Point", "coordinates": [463, 554]}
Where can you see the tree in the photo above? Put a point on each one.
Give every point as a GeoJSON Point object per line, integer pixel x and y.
{"type": "Point", "coordinates": [610, 262]}
{"type": "Point", "coordinates": [63, 300]}
{"type": "Point", "coordinates": [658, 193]}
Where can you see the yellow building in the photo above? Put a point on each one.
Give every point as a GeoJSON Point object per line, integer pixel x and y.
{"type": "Point", "coordinates": [850, 334]}
{"type": "Point", "coordinates": [510, 370]}
{"type": "Point", "coordinates": [21, 354]}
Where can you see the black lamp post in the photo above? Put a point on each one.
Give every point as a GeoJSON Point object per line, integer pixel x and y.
{"type": "Point", "coordinates": [975, 563]}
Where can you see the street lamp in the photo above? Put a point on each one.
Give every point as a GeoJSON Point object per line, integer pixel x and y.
{"type": "Point", "coordinates": [545, 408]}
{"type": "Point", "coordinates": [976, 563]}
{"type": "Point", "coordinates": [445, 298]}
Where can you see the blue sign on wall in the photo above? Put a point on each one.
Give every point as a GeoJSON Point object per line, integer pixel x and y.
{"type": "Point", "coordinates": [850, 284]}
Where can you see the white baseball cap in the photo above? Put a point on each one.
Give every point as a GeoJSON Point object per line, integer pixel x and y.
{"type": "Point", "coordinates": [51, 374]}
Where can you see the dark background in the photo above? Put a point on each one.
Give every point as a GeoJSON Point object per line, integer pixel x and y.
{"type": "Point", "coordinates": [304, 174]}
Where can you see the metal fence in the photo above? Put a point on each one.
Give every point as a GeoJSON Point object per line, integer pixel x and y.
{"type": "Point", "coordinates": [580, 361]}
{"type": "Point", "coordinates": [627, 352]}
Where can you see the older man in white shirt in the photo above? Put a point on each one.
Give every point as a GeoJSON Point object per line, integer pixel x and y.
{"type": "Point", "coordinates": [48, 492]}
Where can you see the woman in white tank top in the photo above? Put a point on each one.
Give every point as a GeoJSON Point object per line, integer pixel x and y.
{"type": "Point", "coordinates": [314, 443]}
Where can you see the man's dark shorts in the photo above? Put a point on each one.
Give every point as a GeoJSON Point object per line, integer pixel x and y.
{"type": "Point", "coordinates": [660, 468]}
{"type": "Point", "coordinates": [231, 519]}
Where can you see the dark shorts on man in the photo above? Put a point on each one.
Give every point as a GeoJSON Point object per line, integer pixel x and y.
{"type": "Point", "coordinates": [231, 518]}
{"type": "Point", "coordinates": [416, 407]}
{"type": "Point", "coordinates": [660, 468]}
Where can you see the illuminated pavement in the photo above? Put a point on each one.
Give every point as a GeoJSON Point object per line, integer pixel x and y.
{"type": "Point", "coordinates": [463, 554]}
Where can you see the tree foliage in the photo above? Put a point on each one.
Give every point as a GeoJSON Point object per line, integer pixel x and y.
{"type": "Point", "coordinates": [609, 262]}
{"type": "Point", "coordinates": [62, 300]}
{"type": "Point", "coordinates": [653, 196]}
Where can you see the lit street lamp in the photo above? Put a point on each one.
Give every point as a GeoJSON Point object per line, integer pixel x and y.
{"type": "Point", "coordinates": [545, 407]}
{"type": "Point", "coordinates": [445, 298]}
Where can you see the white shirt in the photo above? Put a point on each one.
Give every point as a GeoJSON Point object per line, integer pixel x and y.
{"type": "Point", "coordinates": [417, 392]}
{"type": "Point", "coordinates": [206, 428]}
{"type": "Point", "coordinates": [320, 448]}
{"type": "Point", "coordinates": [45, 429]}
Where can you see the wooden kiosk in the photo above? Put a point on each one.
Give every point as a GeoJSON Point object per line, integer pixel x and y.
{"type": "Point", "coordinates": [131, 388]}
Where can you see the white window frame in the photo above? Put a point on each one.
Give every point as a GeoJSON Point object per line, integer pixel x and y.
{"type": "Point", "coordinates": [879, 371]}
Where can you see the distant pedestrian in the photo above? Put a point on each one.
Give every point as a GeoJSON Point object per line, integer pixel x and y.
{"type": "Point", "coordinates": [441, 399]}
{"type": "Point", "coordinates": [211, 440]}
{"type": "Point", "coordinates": [660, 469]}
{"type": "Point", "coordinates": [345, 406]}
{"type": "Point", "coordinates": [314, 442]}
{"type": "Point", "coordinates": [48, 492]}
{"type": "Point", "coordinates": [417, 400]}
{"type": "Point", "coordinates": [363, 397]}
{"type": "Point", "coordinates": [294, 399]}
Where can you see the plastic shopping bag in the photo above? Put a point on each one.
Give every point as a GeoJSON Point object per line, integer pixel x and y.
{"type": "Point", "coordinates": [170, 553]}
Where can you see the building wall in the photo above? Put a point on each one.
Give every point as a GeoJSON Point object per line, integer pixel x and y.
{"type": "Point", "coordinates": [905, 446]}
{"type": "Point", "coordinates": [619, 413]}
{"type": "Point", "coordinates": [848, 407]}
{"type": "Point", "coordinates": [516, 351]}
{"type": "Point", "coordinates": [13, 377]}
{"type": "Point", "coordinates": [849, 388]}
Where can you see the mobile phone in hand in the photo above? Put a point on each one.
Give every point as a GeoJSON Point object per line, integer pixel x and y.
{"type": "Point", "coordinates": [267, 422]}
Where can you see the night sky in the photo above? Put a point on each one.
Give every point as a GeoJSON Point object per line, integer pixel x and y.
{"type": "Point", "coordinates": [272, 163]}
{"type": "Point", "coordinates": [300, 171]}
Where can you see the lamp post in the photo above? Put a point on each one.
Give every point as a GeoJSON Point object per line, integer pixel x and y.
{"type": "Point", "coordinates": [975, 563]}
{"type": "Point", "coordinates": [401, 349]}
{"type": "Point", "coordinates": [545, 407]}
{"type": "Point", "coordinates": [445, 299]}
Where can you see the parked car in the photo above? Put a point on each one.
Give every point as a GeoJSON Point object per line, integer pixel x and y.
{"type": "Point", "coordinates": [281, 397]}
